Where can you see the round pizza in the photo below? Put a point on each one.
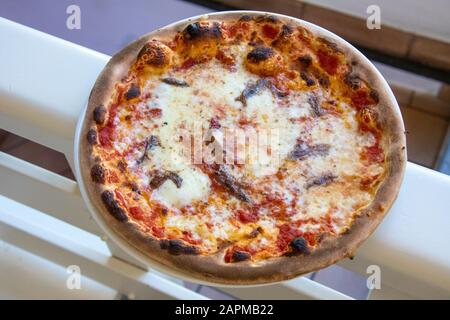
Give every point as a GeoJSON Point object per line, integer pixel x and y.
{"type": "Point", "coordinates": [242, 148]}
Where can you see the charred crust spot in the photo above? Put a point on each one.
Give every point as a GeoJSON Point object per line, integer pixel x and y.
{"type": "Point", "coordinates": [133, 92]}
{"type": "Point", "coordinates": [193, 31]}
{"type": "Point", "coordinates": [92, 136]}
{"type": "Point", "coordinates": [266, 18]}
{"type": "Point", "coordinates": [299, 245]}
{"type": "Point", "coordinates": [113, 207]}
{"type": "Point", "coordinates": [154, 54]}
{"type": "Point", "coordinates": [164, 244]}
{"type": "Point", "coordinates": [239, 256]}
{"type": "Point", "coordinates": [198, 30]}
{"type": "Point", "coordinates": [245, 18]}
{"type": "Point", "coordinates": [177, 247]}
{"type": "Point", "coordinates": [330, 44]}
{"type": "Point", "coordinates": [260, 54]}
{"type": "Point", "coordinates": [100, 114]}
{"type": "Point", "coordinates": [215, 31]}
{"type": "Point", "coordinates": [286, 30]}
{"type": "Point", "coordinates": [374, 95]}
{"type": "Point", "coordinates": [305, 60]}
{"type": "Point", "coordinates": [352, 80]}
{"type": "Point", "coordinates": [98, 174]}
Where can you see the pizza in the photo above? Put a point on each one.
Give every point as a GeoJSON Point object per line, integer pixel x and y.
{"type": "Point", "coordinates": [242, 148]}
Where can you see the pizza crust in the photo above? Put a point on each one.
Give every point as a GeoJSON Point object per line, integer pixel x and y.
{"type": "Point", "coordinates": [212, 268]}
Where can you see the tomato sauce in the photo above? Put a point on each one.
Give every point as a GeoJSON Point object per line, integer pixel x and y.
{"type": "Point", "coordinates": [155, 112]}
{"type": "Point", "coordinates": [136, 213]}
{"type": "Point", "coordinates": [223, 58]}
{"type": "Point", "coordinates": [187, 236]}
{"type": "Point", "coordinates": [270, 31]}
{"type": "Point", "coordinates": [328, 62]}
{"type": "Point", "coordinates": [373, 153]}
{"type": "Point", "coordinates": [105, 136]}
{"type": "Point", "coordinates": [286, 235]}
{"type": "Point", "coordinates": [289, 232]}
{"type": "Point", "coordinates": [361, 99]}
{"type": "Point", "coordinates": [228, 255]}
{"type": "Point", "coordinates": [189, 63]}
{"type": "Point", "coordinates": [232, 30]}
{"type": "Point", "coordinates": [214, 123]}
{"type": "Point", "coordinates": [247, 216]}
{"type": "Point", "coordinates": [120, 198]}
{"type": "Point", "coordinates": [158, 232]}
{"type": "Point", "coordinates": [112, 177]}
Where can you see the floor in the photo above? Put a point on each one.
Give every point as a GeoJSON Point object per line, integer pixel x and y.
{"type": "Point", "coordinates": [426, 131]}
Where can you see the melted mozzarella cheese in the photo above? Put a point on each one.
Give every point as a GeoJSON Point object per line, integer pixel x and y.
{"type": "Point", "coordinates": [278, 123]}
{"type": "Point", "coordinates": [195, 186]}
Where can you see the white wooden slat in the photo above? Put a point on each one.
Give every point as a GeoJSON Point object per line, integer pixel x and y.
{"type": "Point", "coordinates": [44, 83]}
{"type": "Point", "coordinates": [387, 292]}
{"type": "Point", "coordinates": [24, 275]}
{"type": "Point", "coordinates": [411, 244]}
{"type": "Point", "coordinates": [54, 195]}
{"type": "Point", "coordinates": [45, 191]}
{"type": "Point", "coordinates": [31, 230]}
{"type": "Point", "coordinates": [296, 289]}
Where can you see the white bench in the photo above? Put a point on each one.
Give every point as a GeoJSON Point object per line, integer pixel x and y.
{"type": "Point", "coordinates": [45, 83]}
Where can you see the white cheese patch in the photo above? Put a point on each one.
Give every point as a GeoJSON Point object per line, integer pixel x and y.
{"type": "Point", "coordinates": [195, 186]}
{"type": "Point", "coordinates": [278, 123]}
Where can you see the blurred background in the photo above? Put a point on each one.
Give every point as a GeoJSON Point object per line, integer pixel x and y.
{"type": "Point", "coordinates": [412, 51]}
